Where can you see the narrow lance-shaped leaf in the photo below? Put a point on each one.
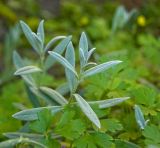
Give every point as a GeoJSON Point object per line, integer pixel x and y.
{"type": "Point", "coordinates": [87, 110]}
{"type": "Point", "coordinates": [109, 102]}
{"type": "Point", "coordinates": [33, 136]}
{"type": "Point", "coordinates": [90, 53]}
{"type": "Point", "coordinates": [70, 57]}
{"type": "Point", "coordinates": [31, 114]}
{"type": "Point", "coordinates": [52, 41]}
{"type": "Point", "coordinates": [82, 58]}
{"type": "Point", "coordinates": [38, 43]}
{"type": "Point", "coordinates": [63, 61]}
{"type": "Point", "coordinates": [27, 70]}
{"type": "Point", "coordinates": [83, 44]}
{"type": "Point", "coordinates": [100, 68]}
{"type": "Point", "coordinates": [59, 49]}
{"type": "Point", "coordinates": [139, 117]}
{"type": "Point", "coordinates": [18, 62]}
{"type": "Point", "coordinates": [54, 95]}
{"type": "Point", "coordinates": [29, 35]}
{"type": "Point", "coordinates": [40, 31]}
{"type": "Point", "coordinates": [14, 142]}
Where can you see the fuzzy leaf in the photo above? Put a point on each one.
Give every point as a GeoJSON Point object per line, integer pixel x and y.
{"type": "Point", "coordinates": [63, 61]}
{"type": "Point", "coordinates": [100, 68]}
{"type": "Point", "coordinates": [139, 117]}
{"type": "Point", "coordinates": [27, 70]}
{"type": "Point", "coordinates": [83, 44]}
{"type": "Point", "coordinates": [40, 31]}
{"type": "Point", "coordinates": [109, 102]}
{"type": "Point", "coordinates": [59, 49]}
{"type": "Point", "coordinates": [87, 110]}
{"type": "Point", "coordinates": [31, 114]}
{"type": "Point", "coordinates": [70, 57]}
{"type": "Point", "coordinates": [52, 41]}
{"type": "Point", "coordinates": [54, 95]}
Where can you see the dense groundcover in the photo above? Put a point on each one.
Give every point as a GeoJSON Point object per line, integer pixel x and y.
{"type": "Point", "coordinates": [79, 74]}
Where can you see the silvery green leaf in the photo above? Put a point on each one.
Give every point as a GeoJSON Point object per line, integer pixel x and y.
{"type": "Point", "coordinates": [90, 53]}
{"type": "Point", "coordinates": [14, 142]}
{"type": "Point", "coordinates": [63, 89]}
{"type": "Point", "coordinates": [40, 31]}
{"type": "Point", "coordinates": [13, 135]}
{"type": "Point", "coordinates": [31, 114]}
{"type": "Point", "coordinates": [59, 49]}
{"type": "Point", "coordinates": [52, 41]}
{"type": "Point", "coordinates": [100, 68]}
{"type": "Point", "coordinates": [49, 100]}
{"type": "Point", "coordinates": [139, 117]}
{"type": "Point", "coordinates": [82, 58]}
{"type": "Point", "coordinates": [90, 64]}
{"type": "Point", "coordinates": [54, 95]}
{"type": "Point", "coordinates": [27, 70]}
{"type": "Point", "coordinates": [38, 43]}
{"type": "Point", "coordinates": [63, 61]}
{"type": "Point", "coordinates": [83, 44]}
{"type": "Point", "coordinates": [109, 102]}
{"type": "Point", "coordinates": [18, 62]}
{"type": "Point", "coordinates": [87, 110]}
{"type": "Point", "coordinates": [70, 57]}
{"type": "Point", "coordinates": [29, 35]}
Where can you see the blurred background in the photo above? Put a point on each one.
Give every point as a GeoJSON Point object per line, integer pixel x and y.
{"type": "Point", "coordinates": [119, 29]}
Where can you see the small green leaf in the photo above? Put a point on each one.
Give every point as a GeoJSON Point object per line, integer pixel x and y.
{"type": "Point", "coordinates": [87, 110]}
{"type": "Point", "coordinates": [125, 144]}
{"type": "Point", "coordinates": [82, 58]}
{"type": "Point", "coordinates": [54, 95]}
{"type": "Point", "coordinates": [44, 120]}
{"type": "Point", "coordinates": [31, 114]}
{"type": "Point", "coordinates": [63, 61]}
{"type": "Point", "coordinates": [90, 53]}
{"type": "Point", "coordinates": [100, 68]}
{"type": "Point", "coordinates": [27, 70]}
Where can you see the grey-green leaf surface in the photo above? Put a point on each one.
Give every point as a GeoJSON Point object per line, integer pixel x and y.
{"type": "Point", "coordinates": [83, 44]}
{"type": "Point", "coordinates": [52, 41]}
{"type": "Point", "coordinates": [87, 110]}
{"type": "Point", "coordinates": [70, 57]}
{"type": "Point", "coordinates": [83, 60]}
{"type": "Point", "coordinates": [40, 31]}
{"type": "Point", "coordinates": [63, 62]}
{"type": "Point", "coordinates": [109, 102]}
{"type": "Point", "coordinates": [29, 35]}
{"type": "Point", "coordinates": [139, 117]}
{"type": "Point", "coordinates": [31, 114]}
{"type": "Point", "coordinates": [18, 62]}
{"type": "Point", "coordinates": [54, 95]}
{"type": "Point", "coordinates": [59, 49]}
{"type": "Point", "coordinates": [100, 68]}
{"type": "Point", "coordinates": [14, 142]}
{"type": "Point", "coordinates": [90, 53]}
{"type": "Point", "coordinates": [27, 70]}
{"type": "Point", "coordinates": [13, 135]}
